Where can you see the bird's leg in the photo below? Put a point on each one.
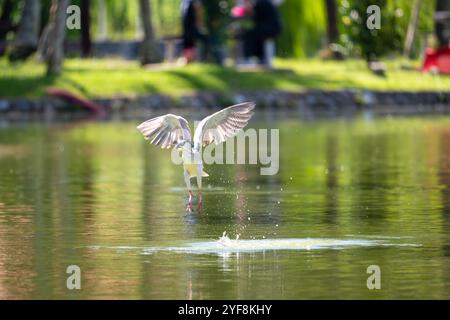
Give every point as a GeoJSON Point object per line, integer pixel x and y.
{"type": "Point", "coordinates": [199, 185]}
{"type": "Point", "coordinates": [187, 179]}
{"type": "Point", "coordinates": [189, 205]}
{"type": "Point", "coordinates": [200, 200]}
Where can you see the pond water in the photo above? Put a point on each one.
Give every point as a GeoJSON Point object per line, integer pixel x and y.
{"type": "Point", "coordinates": [350, 193]}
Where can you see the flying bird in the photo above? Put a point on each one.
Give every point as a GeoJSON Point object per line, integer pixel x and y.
{"type": "Point", "coordinates": [173, 131]}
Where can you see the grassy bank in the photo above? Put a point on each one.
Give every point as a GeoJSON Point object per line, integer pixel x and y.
{"type": "Point", "coordinates": [107, 78]}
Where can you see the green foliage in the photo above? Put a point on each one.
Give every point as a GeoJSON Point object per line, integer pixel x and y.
{"type": "Point", "coordinates": [16, 10]}
{"type": "Point", "coordinates": [303, 28]}
{"type": "Point", "coordinates": [304, 23]}
{"type": "Point", "coordinates": [166, 17]}
{"type": "Point", "coordinates": [358, 40]}
{"type": "Point", "coordinates": [370, 43]}
{"type": "Point", "coordinates": [123, 18]}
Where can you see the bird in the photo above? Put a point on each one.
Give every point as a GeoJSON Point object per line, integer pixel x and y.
{"type": "Point", "coordinates": [172, 131]}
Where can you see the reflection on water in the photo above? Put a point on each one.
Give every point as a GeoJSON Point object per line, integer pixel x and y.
{"type": "Point", "coordinates": [367, 192]}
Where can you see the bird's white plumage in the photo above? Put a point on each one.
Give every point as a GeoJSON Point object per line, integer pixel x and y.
{"type": "Point", "coordinates": [166, 131]}
{"type": "Point", "coordinates": [170, 130]}
{"type": "Point", "coordinates": [222, 125]}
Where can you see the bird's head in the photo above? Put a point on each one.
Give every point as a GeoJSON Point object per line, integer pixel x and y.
{"type": "Point", "coordinates": [182, 144]}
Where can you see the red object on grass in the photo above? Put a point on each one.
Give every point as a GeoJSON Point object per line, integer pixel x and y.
{"type": "Point", "coordinates": [437, 60]}
{"type": "Point", "coordinates": [97, 109]}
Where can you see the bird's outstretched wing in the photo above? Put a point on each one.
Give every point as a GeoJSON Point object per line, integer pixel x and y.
{"type": "Point", "coordinates": [166, 131]}
{"type": "Point", "coordinates": [223, 124]}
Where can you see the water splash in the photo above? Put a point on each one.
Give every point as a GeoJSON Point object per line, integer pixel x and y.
{"type": "Point", "coordinates": [226, 245]}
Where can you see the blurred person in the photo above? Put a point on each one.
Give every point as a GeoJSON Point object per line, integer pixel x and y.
{"type": "Point", "coordinates": [192, 12]}
{"type": "Point", "coordinates": [217, 21]}
{"type": "Point", "coordinates": [267, 25]}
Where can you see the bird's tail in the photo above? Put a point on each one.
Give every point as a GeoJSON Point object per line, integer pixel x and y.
{"type": "Point", "coordinates": [193, 174]}
{"type": "Point", "coordinates": [192, 171]}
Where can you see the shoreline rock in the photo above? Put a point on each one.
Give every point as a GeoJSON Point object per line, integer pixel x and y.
{"type": "Point", "coordinates": [311, 103]}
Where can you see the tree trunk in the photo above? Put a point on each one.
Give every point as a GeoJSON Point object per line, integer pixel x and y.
{"type": "Point", "coordinates": [57, 30]}
{"type": "Point", "coordinates": [332, 28]}
{"type": "Point", "coordinates": [441, 26]}
{"type": "Point", "coordinates": [412, 28]}
{"type": "Point", "coordinates": [86, 43]}
{"type": "Point", "coordinates": [27, 36]}
{"type": "Point", "coordinates": [149, 52]}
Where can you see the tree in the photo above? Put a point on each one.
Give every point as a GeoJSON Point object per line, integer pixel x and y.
{"type": "Point", "coordinates": [27, 36]}
{"type": "Point", "coordinates": [332, 27]}
{"type": "Point", "coordinates": [57, 28]}
{"type": "Point", "coordinates": [412, 29]}
{"type": "Point", "coordinates": [149, 50]}
{"type": "Point", "coordinates": [86, 43]}
{"type": "Point", "coordinates": [372, 43]}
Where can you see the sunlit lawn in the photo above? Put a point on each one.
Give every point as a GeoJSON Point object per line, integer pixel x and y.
{"type": "Point", "coordinates": [111, 77]}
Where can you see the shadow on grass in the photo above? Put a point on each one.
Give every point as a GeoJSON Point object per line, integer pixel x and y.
{"type": "Point", "coordinates": [226, 79]}
{"type": "Point", "coordinates": [208, 78]}
{"type": "Point", "coordinates": [13, 87]}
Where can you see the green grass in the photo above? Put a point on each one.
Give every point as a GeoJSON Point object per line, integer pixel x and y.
{"type": "Point", "coordinates": [109, 78]}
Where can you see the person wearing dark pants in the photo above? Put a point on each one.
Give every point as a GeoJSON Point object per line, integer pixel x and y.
{"type": "Point", "coordinates": [193, 27]}
{"type": "Point", "coordinates": [441, 26]}
{"type": "Point", "coordinates": [267, 25]}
